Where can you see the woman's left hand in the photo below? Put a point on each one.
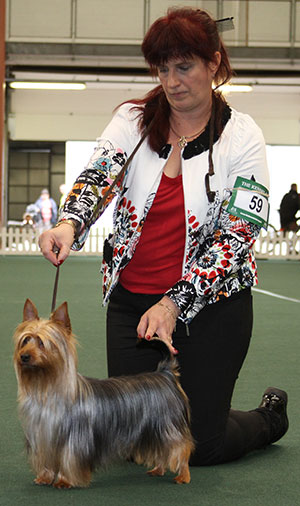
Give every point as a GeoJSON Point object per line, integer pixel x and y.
{"type": "Point", "coordinates": [159, 322]}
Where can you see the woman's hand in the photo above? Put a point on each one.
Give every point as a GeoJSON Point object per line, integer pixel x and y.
{"type": "Point", "coordinates": [57, 239]}
{"type": "Point", "coordinates": [159, 322]}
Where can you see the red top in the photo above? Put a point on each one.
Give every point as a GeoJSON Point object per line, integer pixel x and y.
{"type": "Point", "coordinates": [157, 261]}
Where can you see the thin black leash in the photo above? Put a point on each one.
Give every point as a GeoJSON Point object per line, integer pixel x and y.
{"type": "Point", "coordinates": [211, 194]}
{"type": "Point", "coordinates": [55, 286]}
{"type": "Point", "coordinates": [102, 202]}
{"type": "Point", "coordinates": [122, 172]}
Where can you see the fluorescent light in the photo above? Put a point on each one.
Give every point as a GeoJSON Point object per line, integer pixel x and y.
{"type": "Point", "coordinates": [235, 88]}
{"type": "Point", "coordinates": [22, 85]}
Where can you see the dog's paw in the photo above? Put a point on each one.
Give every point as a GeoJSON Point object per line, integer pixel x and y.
{"type": "Point", "coordinates": [45, 478]}
{"type": "Point", "coordinates": [156, 471]}
{"type": "Point", "coordinates": [62, 483]}
{"type": "Point", "coordinates": [182, 478]}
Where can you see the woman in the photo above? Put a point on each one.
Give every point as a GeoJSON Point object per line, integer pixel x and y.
{"type": "Point", "coordinates": [180, 264]}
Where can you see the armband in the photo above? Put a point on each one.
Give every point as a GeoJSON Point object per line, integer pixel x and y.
{"type": "Point", "coordinates": [249, 201]}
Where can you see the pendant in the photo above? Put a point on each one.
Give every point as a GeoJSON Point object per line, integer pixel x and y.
{"type": "Point", "coordinates": [182, 142]}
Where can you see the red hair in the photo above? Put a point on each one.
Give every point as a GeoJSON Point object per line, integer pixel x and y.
{"type": "Point", "coordinates": [182, 33]}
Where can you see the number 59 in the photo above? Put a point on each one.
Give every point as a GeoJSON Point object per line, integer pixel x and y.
{"type": "Point", "coordinates": [256, 204]}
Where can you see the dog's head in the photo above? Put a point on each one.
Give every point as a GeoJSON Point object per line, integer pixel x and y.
{"type": "Point", "coordinates": [45, 350]}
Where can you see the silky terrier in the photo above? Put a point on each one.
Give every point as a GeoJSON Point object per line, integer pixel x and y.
{"type": "Point", "coordinates": [74, 424]}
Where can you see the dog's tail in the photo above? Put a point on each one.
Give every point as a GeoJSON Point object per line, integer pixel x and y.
{"type": "Point", "coordinates": [169, 367]}
{"type": "Point", "coordinates": [168, 363]}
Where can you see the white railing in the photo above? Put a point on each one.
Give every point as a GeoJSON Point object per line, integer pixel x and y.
{"type": "Point", "coordinates": [22, 241]}
{"type": "Point", "coordinates": [277, 244]}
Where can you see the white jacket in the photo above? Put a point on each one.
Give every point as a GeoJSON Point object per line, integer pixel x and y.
{"type": "Point", "coordinates": [218, 258]}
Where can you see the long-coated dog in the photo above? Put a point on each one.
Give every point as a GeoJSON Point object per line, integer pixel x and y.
{"type": "Point", "coordinates": [74, 424]}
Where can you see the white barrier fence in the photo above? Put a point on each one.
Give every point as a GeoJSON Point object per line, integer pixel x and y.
{"type": "Point", "coordinates": [22, 241]}
{"type": "Point", "coordinates": [277, 244]}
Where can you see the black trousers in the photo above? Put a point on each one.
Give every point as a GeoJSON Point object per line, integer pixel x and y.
{"type": "Point", "coordinates": [210, 359]}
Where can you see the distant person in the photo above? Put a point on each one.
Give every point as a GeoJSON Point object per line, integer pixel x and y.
{"type": "Point", "coordinates": [289, 207]}
{"type": "Point", "coordinates": [48, 209]}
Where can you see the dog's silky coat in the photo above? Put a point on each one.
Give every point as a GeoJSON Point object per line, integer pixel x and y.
{"type": "Point", "coordinates": [75, 424]}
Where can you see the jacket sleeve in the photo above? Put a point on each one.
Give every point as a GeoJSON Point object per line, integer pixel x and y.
{"type": "Point", "coordinates": [103, 167]}
{"type": "Point", "coordinates": [228, 248]}
{"type": "Point", "coordinates": [221, 257]}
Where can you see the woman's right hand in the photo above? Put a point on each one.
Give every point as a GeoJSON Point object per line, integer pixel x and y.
{"type": "Point", "coordinates": [57, 239]}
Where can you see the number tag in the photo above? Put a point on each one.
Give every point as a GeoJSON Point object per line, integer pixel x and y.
{"type": "Point", "coordinates": [249, 201]}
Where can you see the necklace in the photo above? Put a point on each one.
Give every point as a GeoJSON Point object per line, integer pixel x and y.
{"type": "Point", "coordinates": [182, 139]}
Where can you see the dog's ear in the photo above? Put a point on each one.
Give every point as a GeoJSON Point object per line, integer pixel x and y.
{"type": "Point", "coordinates": [61, 315]}
{"type": "Point", "coordinates": [30, 311]}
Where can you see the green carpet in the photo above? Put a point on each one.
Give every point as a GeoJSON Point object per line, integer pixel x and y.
{"type": "Point", "coordinates": [266, 478]}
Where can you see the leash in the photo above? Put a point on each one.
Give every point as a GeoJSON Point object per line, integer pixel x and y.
{"type": "Point", "coordinates": [102, 202]}
{"type": "Point", "coordinates": [121, 173]}
{"type": "Point", "coordinates": [55, 290]}
{"type": "Point", "coordinates": [55, 285]}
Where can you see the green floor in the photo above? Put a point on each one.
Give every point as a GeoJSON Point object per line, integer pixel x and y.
{"type": "Point", "coordinates": [268, 478]}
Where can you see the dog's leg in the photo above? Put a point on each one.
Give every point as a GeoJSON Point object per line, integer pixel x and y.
{"type": "Point", "coordinates": [45, 477]}
{"type": "Point", "coordinates": [71, 474]}
{"type": "Point", "coordinates": [156, 471]}
{"type": "Point", "coordinates": [183, 464]}
{"type": "Point", "coordinates": [42, 464]}
{"type": "Point", "coordinates": [184, 474]}
{"type": "Point", "coordinates": [62, 482]}
{"type": "Point", "coordinates": [77, 481]}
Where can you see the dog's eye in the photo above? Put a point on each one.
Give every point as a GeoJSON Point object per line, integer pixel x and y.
{"type": "Point", "coordinates": [41, 344]}
{"type": "Point", "coordinates": [26, 340]}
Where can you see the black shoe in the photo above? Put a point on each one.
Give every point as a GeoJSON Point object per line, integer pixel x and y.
{"type": "Point", "coordinates": [275, 402]}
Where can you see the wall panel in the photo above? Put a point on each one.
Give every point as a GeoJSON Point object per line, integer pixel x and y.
{"type": "Point", "coordinates": [103, 20]}
{"type": "Point", "coordinates": [39, 18]}
{"type": "Point", "coordinates": [58, 127]}
{"type": "Point", "coordinates": [269, 22]}
{"type": "Point", "coordinates": [237, 10]}
{"type": "Point", "coordinates": [297, 23]}
{"type": "Point", "coordinates": [259, 22]}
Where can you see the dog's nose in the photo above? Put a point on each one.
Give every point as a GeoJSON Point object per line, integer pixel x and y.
{"type": "Point", "coordinates": [25, 358]}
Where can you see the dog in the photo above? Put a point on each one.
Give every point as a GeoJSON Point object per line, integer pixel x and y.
{"type": "Point", "coordinates": [74, 424]}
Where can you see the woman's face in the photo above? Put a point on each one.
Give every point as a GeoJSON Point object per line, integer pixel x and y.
{"type": "Point", "coordinates": [187, 83]}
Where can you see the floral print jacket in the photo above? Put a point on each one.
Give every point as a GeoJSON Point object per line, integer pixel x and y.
{"type": "Point", "coordinates": [218, 258]}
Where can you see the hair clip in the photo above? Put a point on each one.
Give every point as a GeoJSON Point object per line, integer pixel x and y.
{"type": "Point", "coordinates": [225, 24]}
